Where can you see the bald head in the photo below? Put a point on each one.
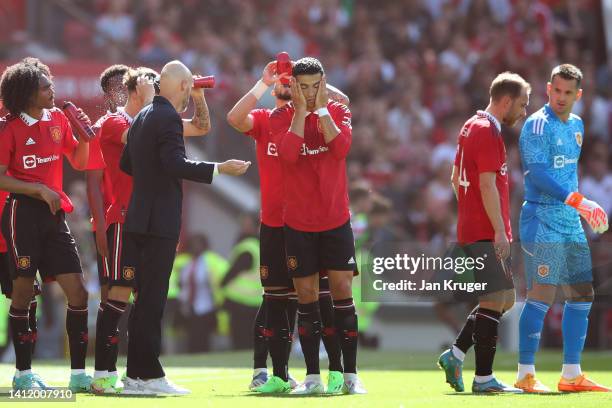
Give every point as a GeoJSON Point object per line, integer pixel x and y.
{"type": "Point", "coordinates": [175, 84]}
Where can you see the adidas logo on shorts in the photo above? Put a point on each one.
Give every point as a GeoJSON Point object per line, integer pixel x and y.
{"type": "Point", "coordinates": [351, 261]}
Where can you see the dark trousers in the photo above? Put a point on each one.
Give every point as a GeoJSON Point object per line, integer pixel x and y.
{"type": "Point", "coordinates": [156, 256]}
{"type": "Point", "coordinates": [241, 324]}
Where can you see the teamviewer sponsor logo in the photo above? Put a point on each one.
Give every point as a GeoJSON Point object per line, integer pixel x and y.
{"type": "Point", "coordinates": [560, 161]}
{"type": "Point", "coordinates": [272, 150]}
{"type": "Point", "coordinates": [29, 162]}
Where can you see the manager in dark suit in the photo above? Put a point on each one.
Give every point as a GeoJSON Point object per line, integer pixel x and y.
{"type": "Point", "coordinates": [155, 157]}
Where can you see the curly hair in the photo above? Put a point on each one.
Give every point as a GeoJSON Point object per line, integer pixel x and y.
{"type": "Point", "coordinates": [19, 84]}
{"type": "Point", "coordinates": [111, 72]}
{"type": "Point", "coordinates": [307, 66]}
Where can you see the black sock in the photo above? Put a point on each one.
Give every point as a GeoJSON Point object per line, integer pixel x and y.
{"type": "Point", "coordinates": [309, 329]}
{"type": "Point", "coordinates": [113, 310]}
{"type": "Point", "coordinates": [76, 327]}
{"type": "Point", "coordinates": [260, 345]}
{"type": "Point", "coordinates": [20, 332]}
{"type": "Point", "coordinates": [329, 334]}
{"type": "Point", "coordinates": [292, 306]}
{"type": "Point", "coordinates": [100, 348]}
{"type": "Point", "coordinates": [485, 339]}
{"type": "Point", "coordinates": [32, 323]}
{"type": "Point", "coordinates": [346, 326]}
{"type": "Point", "coordinates": [277, 331]}
{"type": "Point", "coordinates": [465, 339]}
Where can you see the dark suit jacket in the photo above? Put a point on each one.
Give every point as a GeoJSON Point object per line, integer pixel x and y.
{"type": "Point", "coordinates": [155, 157]}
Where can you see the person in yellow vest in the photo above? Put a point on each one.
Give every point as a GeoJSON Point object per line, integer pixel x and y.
{"type": "Point", "coordinates": [242, 288]}
{"type": "Point", "coordinates": [197, 296]}
{"type": "Point", "coordinates": [171, 320]}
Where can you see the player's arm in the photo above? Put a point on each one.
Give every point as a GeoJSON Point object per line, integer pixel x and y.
{"type": "Point", "coordinates": [492, 206]}
{"type": "Point", "coordinates": [291, 141]}
{"type": "Point", "coordinates": [199, 124]}
{"type": "Point", "coordinates": [35, 190]}
{"type": "Point", "coordinates": [239, 117]}
{"type": "Point", "coordinates": [536, 160]}
{"type": "Point", "coordinates": [96, 204]}
{"type": "Point", "coordinates": [455, 180]}
{"type": "Point", "coordinates": [337, 95]}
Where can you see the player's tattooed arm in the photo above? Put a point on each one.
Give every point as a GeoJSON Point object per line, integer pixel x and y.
{"type": "Point", "coordinates": [199, 124]}
{"type": "Point", "coordinates": [337, 95]}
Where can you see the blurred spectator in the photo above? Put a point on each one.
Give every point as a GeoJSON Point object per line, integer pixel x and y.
{"type": "Point", "coordinates": [115, 29]}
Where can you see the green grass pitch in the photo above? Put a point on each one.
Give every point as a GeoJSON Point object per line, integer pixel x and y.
{"type": "Point", "coordinates": [393, 379]}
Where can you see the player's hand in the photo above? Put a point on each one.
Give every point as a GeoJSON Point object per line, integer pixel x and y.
{"type": "Point", "coordinates": [322, 97]}
{"type": "Point", "coordinates": [270, 76]}
{"type": "Point", "coordinates": [51, 198]}
{"type": "Point", "coordinates": [502, 246]}
{"type": "Point", "coordinates": [592, 212]}
{"type": "Point", "coordinates": [101, 241]}
{"type": "Point", "coordinates": [297, 97]}
{"type": "Point", "coordinates": [145, 89]}
{"type": "Point", "coordinates": [233, 167]}
{"type": "Point", "coordinates": [82, 116]}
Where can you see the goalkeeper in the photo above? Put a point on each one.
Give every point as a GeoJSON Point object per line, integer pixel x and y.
{"type": "Point", "coordinates": [554, 245]}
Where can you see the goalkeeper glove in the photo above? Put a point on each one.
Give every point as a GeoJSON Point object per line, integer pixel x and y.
{"type": "Point", "coordinates": [592, 212]}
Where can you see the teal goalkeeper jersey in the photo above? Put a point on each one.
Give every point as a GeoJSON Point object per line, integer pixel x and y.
{"type": "Point", "coordinates": [554, 145]}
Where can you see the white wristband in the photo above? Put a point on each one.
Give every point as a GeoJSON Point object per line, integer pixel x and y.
{"type": "Point", "coordinates": [216, 170]}
{"type": "Point", "coordinates": [322, 111]}
{"type": "Point", "coordinates": [259, 89]}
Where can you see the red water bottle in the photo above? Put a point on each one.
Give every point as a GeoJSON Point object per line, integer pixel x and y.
{"type": "Point", "coordinates": [80, 127]}
{"type": "Point", "coordinates": [204, 82]}
{"type": "Point", "coordinates": [283, 65]}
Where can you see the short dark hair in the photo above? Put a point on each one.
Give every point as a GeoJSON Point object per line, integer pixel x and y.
{"type": "Point", "coordinates": [567, 72]}
{"type": "Point", "coordinates": [508, 84]}
{"type": "Point", "coordinates": [20, 82]}
{"type": "Point", "coordinates": [307, 66]}
{"type": "Point", "coordinates": [111, 72]}
{"type": "Point", "coordinates": [130, 78]}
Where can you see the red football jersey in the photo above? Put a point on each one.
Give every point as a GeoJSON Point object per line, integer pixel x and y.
{"type": "Point", "coordinates": [32, 149]}
{"type": "Point", "coordinates": [480, 149]}
{"type": "Point", "coordinates": [3, 195]}
{"type": "Point", "coordinates": [96, 162]}
{"type": "Point", "coordinates": [314, 172]}
{"type": "Point", "coordinates": [121, 183]}
{"type": "Point", "coordinates": [270, 172]}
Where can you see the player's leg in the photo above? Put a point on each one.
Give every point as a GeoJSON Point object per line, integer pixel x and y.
{"type": "Point", "coordinates": [329, 335]}
{"type": "Point", "coordinates": [32, 315]}
{"type": "Point", "coordinates": [61, 260]}
{"type": "Point", "coordinates": [544, 262]}
{"type": "Point", "coordinates": [337, 248]}
{"type": "Point", "coordinates": [579, 295]}
{"type": "Point", "coordinates": [121, 281]}
{"type": "Point", "coordinates": [19, 227]}
{"type": "Point", "coordinates": [302, 260]}
{"type": "Point", "coordinates": [100, 369]}
{"type": "Point", "coordinates": [493, 301]}
{"type": "Point", "coordinates": [260, 347]}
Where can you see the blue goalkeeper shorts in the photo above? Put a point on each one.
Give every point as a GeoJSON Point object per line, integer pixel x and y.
{"type": "Point", "coordinates": [552, 257]}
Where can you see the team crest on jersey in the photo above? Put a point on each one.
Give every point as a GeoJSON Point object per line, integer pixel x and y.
{"type": "Point", "coordinates": [543, 270]}
{"type": "Point", "coordinates": [263, 272]}
{"type": "Point", "coordinates": [292, 262]}
{"type": "Point", "coordinates": [23, 262]}
{"type": "Point", "coordinates": [578, 138]}
{"type": "Point", "coordinates": [128, 272]}
{"type": "Point", "coordinates": [56, 134]}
